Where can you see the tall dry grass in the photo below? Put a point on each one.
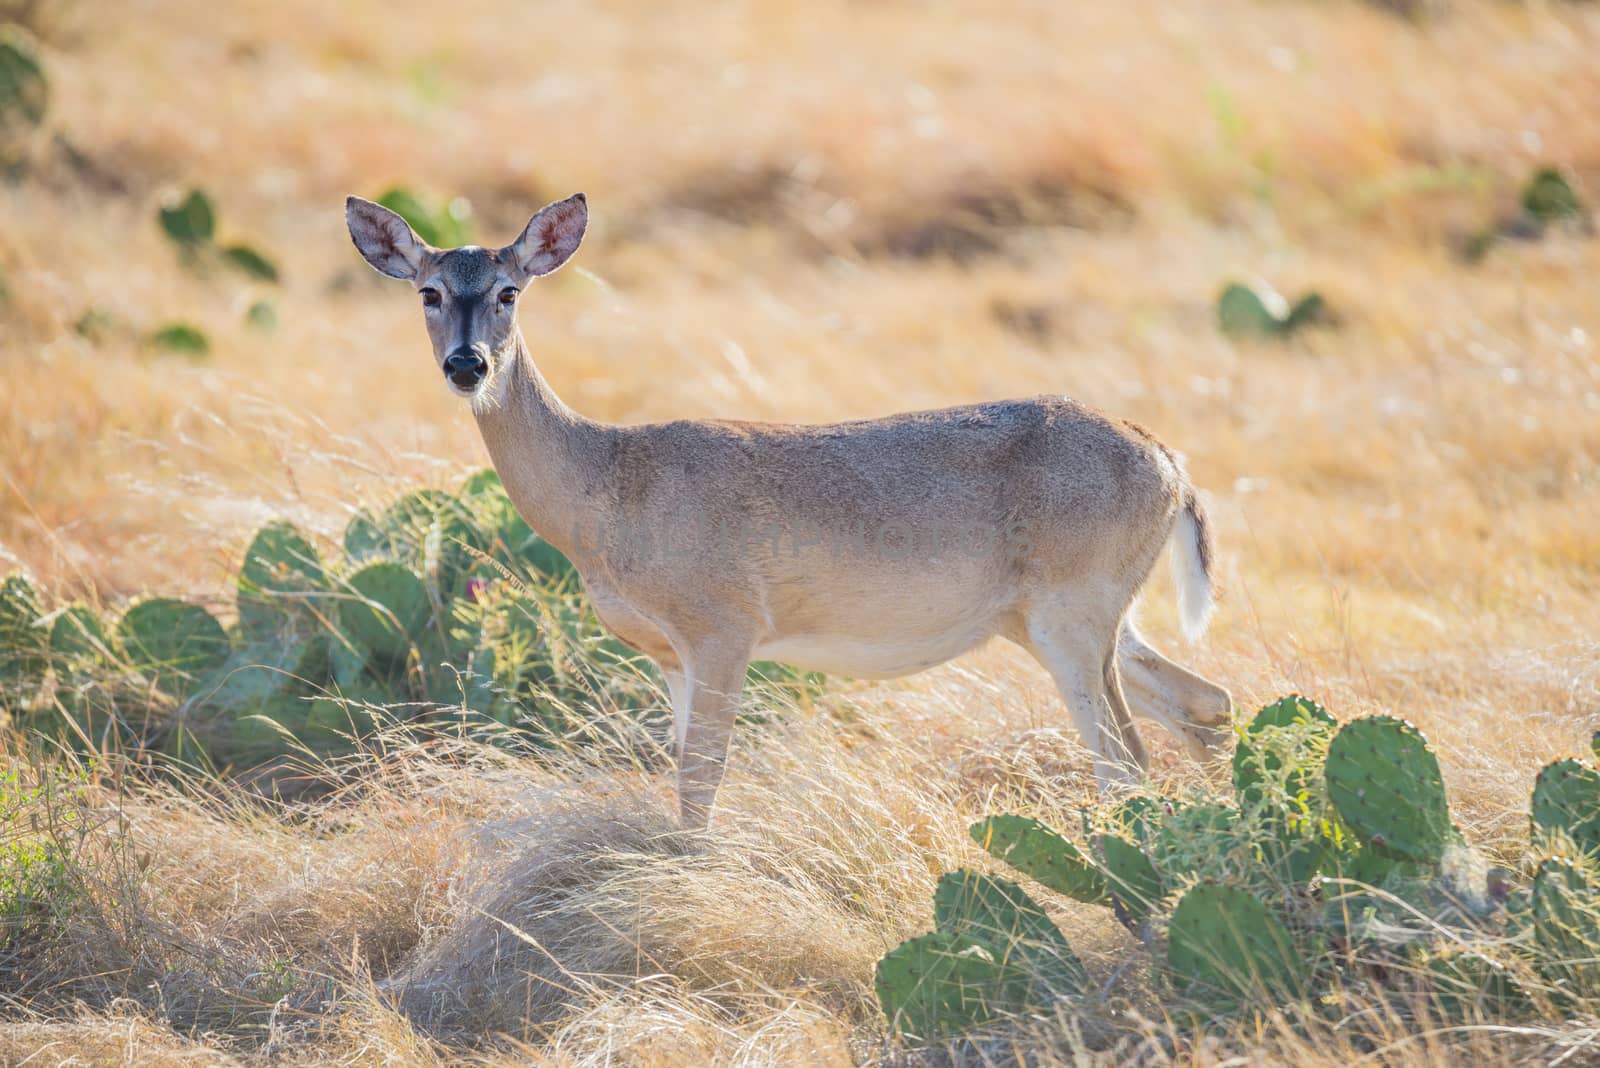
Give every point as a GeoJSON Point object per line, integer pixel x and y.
{"type": "Point", "coordinates": [806, 212]}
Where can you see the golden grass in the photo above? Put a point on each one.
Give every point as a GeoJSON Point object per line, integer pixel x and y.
{"type": "Point", "coordinates": [1407, 505]}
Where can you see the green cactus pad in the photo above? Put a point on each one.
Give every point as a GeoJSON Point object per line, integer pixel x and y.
{"type": "Point", "coordinates": [1000, 913]}
{"type": "Point", "coordinates": [78, 637]}
{"type": "Point", "coordinates": [1470, 986]}
{"type": "Point", "coordinates": [1224, 939]}
{"type": "Point", "coordinates": [1041, 854]}
{"type": "Point", "coordinates": [1566, 925]}
{"type": "Point", "coordinates": [943, 985]}
{"type": "Point", "coordinates": [1566, 799]}
{"type": "Point", "coordinates": [1550, 198]}
{"type": "Point", "coordinates": [190, 222]}
{"type": "Point", "coordinates": [363, 537]}
{"type": "Point", "coordinates": [172, 641]}
{"type": "Point", "coordinates": [387, 611]}
{"type": "Point", "coordinates": [1291, 731]}
{"type": "Point", "coordinates": [22, 643]}
{"type": "Point", "coordinates": [1130, 877]}
{"type": "Point", "coordinates": [257, 672]}
{"type": "Point", "coordinates": [24, 90]}
{"type": "Point", "coordinates": [281, 569]}
{"type": "Point", "coordinates": [1594, 744]}
{"type": "Point", "coordinates": [1384, 780]}
{"type": "Point", "coordinates": [1247, 311]}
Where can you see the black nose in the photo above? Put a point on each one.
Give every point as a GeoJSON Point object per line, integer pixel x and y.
{"type": "Point", "coordinates": [465, 368]}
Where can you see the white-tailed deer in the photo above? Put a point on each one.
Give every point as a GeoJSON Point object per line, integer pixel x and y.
{"type": "Point", "coordinates": [873, 549]}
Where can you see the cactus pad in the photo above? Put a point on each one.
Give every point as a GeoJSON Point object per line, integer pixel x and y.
{"type": "Point", "coordinates": [1566, 925]}
{"type": "Point", "coordinates": [77, 637]}
{"type": "Point", "coordinates": [172, 641]}
{"type": "Point", "coordinates": [1384, 780]}
{"type": "Point", "coordinates": [1041, 854]}
{"type": "Point", "coordinates": [942, 985]}
{"type": "Point", "coordinates": [1566, 799]}
{"type": "Point", "coordinates": [1224, 939]}
{"type": "Point", "coordinates": [387, 612]}
{"type": "Point", "coordinates": [22, 643]}
{"type": "Point", "coordinates": [1470, 986]}
{"type": "Point", "coordinates": [1000, 913]}
{"type": "Point", "coordinates": [280, 569]}
{"type": "Point", "coordinates": [1292, 731]}
{"type": "Point", "coordinates": [1130, 876]}
{"type": "Point", "coordinates": [24, 91]}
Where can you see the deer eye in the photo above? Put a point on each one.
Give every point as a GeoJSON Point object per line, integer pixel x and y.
{"type": "Point", "coordinates": [508, 295]}
{"type": "Point", "coordinates": [430, 297]}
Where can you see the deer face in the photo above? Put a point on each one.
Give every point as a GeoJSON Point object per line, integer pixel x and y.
{"type": "Point", "coordinates": [469, 295]}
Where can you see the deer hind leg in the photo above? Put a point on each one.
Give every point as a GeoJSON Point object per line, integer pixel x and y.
{"type": "Point", "coordinates": [1081, 655]}
{"type": "Point", "coordinates": [1193, 708]}
{"type": "Point", "coordinates": [713, 685]}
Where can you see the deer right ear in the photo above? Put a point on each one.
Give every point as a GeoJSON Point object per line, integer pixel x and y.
{"type": "Point", "coordinates": [384, 238]}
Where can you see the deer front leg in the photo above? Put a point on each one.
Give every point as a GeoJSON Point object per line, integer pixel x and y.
{"type": "Point", "coordinates": [716, 673]}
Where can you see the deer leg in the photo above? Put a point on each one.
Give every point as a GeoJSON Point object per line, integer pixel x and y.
{"type": "Point", "coordinates": [715, 681]}
{"type": "Point", "coordinates": [1193, 708]}
{"type": "Point", "coordinates": [1085, 672]}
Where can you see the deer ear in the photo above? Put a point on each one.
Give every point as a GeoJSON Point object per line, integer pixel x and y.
{"type": "Point", "coordinates": [551, 237]}
{"type": "Point", "coordinates": [384, 238]}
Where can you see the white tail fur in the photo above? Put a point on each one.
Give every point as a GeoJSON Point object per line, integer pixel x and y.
{"type": "Point", "coordinates": [1191, 569]}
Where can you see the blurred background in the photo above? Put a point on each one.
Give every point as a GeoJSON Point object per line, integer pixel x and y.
{"type": "Point", "coordinates": [833, 210]}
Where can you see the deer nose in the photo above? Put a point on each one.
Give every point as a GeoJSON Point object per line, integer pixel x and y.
{"type": "Point", "coordinates": [465, 368]}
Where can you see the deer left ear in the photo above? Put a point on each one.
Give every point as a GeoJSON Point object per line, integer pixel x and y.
{"type": "Point", "coordinates": [551, 237]}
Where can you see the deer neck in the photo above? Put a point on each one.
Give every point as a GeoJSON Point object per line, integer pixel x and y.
{"type": "Point", "coordinates": [552, 460]}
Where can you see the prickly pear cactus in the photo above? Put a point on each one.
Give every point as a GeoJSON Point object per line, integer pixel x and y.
{"type": "Point", "coordinates": [1042, 855]}
{"type": "Point", "coordinates": [1566, 926]}
{"type": "Point", "coordinates": [1566, 800]}
{"type": "Point", "coordinates": [1000, 913]}
{"type": "Point", "coordinates": [172, 642]}
{"type": "Point", "coordinates": [387, 610]}
{"type": "Point", "coordinates": [1384, 780]}
{"type": "Point", "coordinates": [1224, 939]}
{"type": "Point", "coordinates": [78, 638]}
{"type": "Point", "coordinates": [942, 985]}
{"type": "Point", "coordinates": [1549, 197]}
{"type": "Point", "coordinates": [22, 642]}
{"type": "Point", "coordinates": [190, 222]}
{"type": "Point", "coordinates": [1246, 311]}
{"type": "Point", "coordinates": [280, 574]}
{"type": "Point", "coordinates": [1470, 986]}
{"type": "Point", "coordinates": [24, 91]}
{"type": "Point", "coordinates": [1134, 883]}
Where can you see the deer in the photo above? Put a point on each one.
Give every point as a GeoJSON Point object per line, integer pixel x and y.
{"type": "Point", "coordinates": [871, 549]}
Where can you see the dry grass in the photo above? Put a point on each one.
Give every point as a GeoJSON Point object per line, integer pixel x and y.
{"type": "Point", "coordinates": [1408, 505]}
